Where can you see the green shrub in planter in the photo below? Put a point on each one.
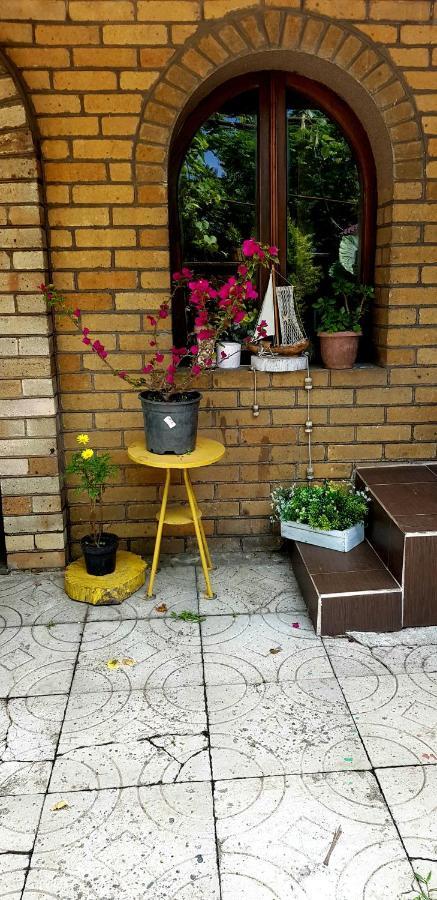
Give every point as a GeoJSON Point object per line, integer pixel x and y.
{"type": "Point", "coordinates": [328, 506]}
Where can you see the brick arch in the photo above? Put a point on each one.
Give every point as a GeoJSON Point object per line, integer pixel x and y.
{"type": "Point", "coordinates": [336, 54]}
{"type": "Point", "coordinates": [29, 458]}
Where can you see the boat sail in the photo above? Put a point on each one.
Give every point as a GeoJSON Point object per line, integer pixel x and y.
{"type": "Point", "coordinates": [285, 332]}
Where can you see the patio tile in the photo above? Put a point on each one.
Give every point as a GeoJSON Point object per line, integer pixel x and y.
{"type": "Point", "coordinates": [161, 654]}
{"type": "Point", "coordinates": [121, 739]}
{"type": "Point", "coordinates": [275, 834]}
{"type": "Point", "coordinates": [408, 637]}
{"type": "Point", "coordinates": [12, 875]}
{"type": "Point", "coordinates": [174, 585]}
{"type": "Point", "coordinates": [396, 716]}
{"type": "Point", "coordinates": [349, 659]}
{"type": "Point", "coordinates": [38, 660]}
{"type": "Point", "coordinates": [287, 728]}
{"type": "Point", "coordinates": [29, 731]}
{"type": "Point", "coordinates": [37, 600]}
{"type": "Point", "coordinates": [411, 795]}
{"type": "Point", "coordinates": [239, 649]}
{"type": "Point", "coordinates": [251, 588]}
{"type": "Point", "coordinates": [19, 822]}
{"type": "Point", "coordinates": [122, 844]}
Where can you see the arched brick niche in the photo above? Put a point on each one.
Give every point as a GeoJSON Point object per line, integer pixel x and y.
{"type": "Point", "coordinates": [338, 56]}
{"type": "Point", "coordinates": [29, 459]}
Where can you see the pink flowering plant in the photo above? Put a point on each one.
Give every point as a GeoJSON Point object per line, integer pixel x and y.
{"type": "Point", "coordinates": [216, 308]}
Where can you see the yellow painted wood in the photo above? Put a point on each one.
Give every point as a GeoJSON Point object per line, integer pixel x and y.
{"type": "Point", "coordinates": [200, 534]}
{"type": "Point", "coordinates": [129, 576]}
{"type": "Point", "coordinates": [178, 515]}
{"type": "Point", "coordinates": [206, 452]}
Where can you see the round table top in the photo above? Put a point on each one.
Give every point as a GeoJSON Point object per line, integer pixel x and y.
{"type": "Point", "coordinates": [206, 452]}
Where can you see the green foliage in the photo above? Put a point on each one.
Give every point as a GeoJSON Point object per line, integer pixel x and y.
{"type": "Point", "coordinates": [93, 472]}
{"type": "Point", "coordinates": [425, 891]}
{"type": "Point", "coordinates": [237, 332]}
{"type": "Point", "coordinates": [344, 309]}
{"type": "Point", "coordinates": [187, 616]}
{"type": "Point", "coordinates": [327, 506]}
{"type": "Point", "coordinates": [301, 270]}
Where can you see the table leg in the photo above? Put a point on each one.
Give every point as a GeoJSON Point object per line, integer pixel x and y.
{"type": "Point", "coordinates": [159, 534]}
{"type": "Point", "coordinates": [200, 534]}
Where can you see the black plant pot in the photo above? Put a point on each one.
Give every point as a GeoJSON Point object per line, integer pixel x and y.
{"type": "Point", "coordinates": [170, 426]}
{"type": "Point", "coordinates": [100, 560]}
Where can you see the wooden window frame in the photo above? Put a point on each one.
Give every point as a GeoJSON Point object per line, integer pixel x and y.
{"type": "Point", "coordinates": [272, 164]}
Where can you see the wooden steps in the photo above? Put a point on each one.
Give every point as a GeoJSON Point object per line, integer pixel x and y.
{"type": "Point", "coordinates": [390, 581]}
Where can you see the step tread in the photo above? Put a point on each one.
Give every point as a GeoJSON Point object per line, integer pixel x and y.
{"type": "Point", "coordinates": [407, 494]}
{"type": "Point", "coordinates": [361, 569]}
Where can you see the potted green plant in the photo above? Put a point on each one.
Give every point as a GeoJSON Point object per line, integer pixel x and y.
{"type": "Point", "coordinates": [339, 318]}
{"type": "Point", "coordinates": [328, 515]}
{"type": "Point", "coordinates": [94, 469]}
{"type": "Point", "coordinates": [228, 348]}
{"type": "Point", "coordinates": [170, 405]}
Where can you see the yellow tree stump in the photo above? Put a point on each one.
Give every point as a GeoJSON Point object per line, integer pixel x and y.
{"type": "Point", "coordinates": [129, 576]}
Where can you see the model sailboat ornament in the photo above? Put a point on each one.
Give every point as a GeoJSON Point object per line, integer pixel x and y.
{"type": "Point", "coordinates": [285, 336]}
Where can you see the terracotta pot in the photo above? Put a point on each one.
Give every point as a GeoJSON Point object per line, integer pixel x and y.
{"type": "Point", "coordinates": [339, 348]}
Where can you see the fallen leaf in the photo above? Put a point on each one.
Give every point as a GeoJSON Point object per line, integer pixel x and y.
{"type": "Point", "coordinates": [61, 804]}
{"type": "Point", "coordinates": [295, 625]}
{"type": "Point", "coordinates": [162, 608]}
{"type": "Point", "coordinates": [275, 649]}
{"type": "Point", "coordinates": [113, 664]}
{"type": "Point", "coordinates": [128, 661]}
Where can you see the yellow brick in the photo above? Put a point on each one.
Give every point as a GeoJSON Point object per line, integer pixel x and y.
{"type": "Point", "coordinates": [112, 280]}
{"type": "Point", "coordinates": [142, 35]}
{"type": "Point", "coordinates": [120, 171]}
{"type": "Point", "coordinates": [112, 103]}
{"type": "Point", "coordinates": [153, 194]}
{"type": "Point", "coordinates": [372, 433]}
{"type": "Point", "coordinates": [57, 35]}
{"type": "Point", "coordinates": [358, 452]}
{"type": "Point", "coordinates": [33, 9]}
{"type": "Point", "coordinates": [36, 81]}
{"type": "Point", "coordinates": [414, 57]}
{"type": "Point", "coordinates": [418, 34]}
{"type": "Point", "coordinates": [155, 57]}
{"type": "Point", "coordinates": [381, 34]}
{"type": "Point", "coordinates": [37, 58]}
{"type": "Point", "coordinates": [105, 237]}
{"type": "Point", "coordinates": [81, 216]}
{"type": "Point", "coordinates": [137, 81]}
{"type": "Point", "coordinates": [428, 316]}
{"type": "Point", "coordinates": [102, 149]}
{"type": "Point", "coordinates": [215, 9]}
{"type": "Point", "coordinates": [173, 11]}
{"type": "Point", "coordinates": [105, 58]}
{"type": "Point", "coordinates": [74, 125]}
{"type": "Point", "coordinates": [341, 9]}
{"type": "Point", "coordinates": [81, 81]}
{"type": "Point", "coordinates": [181, 33]}
{"type": "Point", "coordinates": [136, 216]}
{"type": "Point", "coordinates": [389, 396]}
{"type": "Point", "coordinates": [399, 10]}
{"type": "Point", "coordinates": [81, 259]}
{"type": "Point", "coordinates": [422, 80]}
{"type": "Point", "coordinates": [410, 451]}
{"type": "Point", "coordinates": [54, 149]}
{"type": "Point", "coordinates": [62, 171]}
{"type": "Point", "coordinates": [119, 124]}
{"type": "Point", "coordinates": [61, 103]}
{"type": "Point", "coordinates": [103, 193]}
{"type": "Point", "coordinates": [15, 34]}
{"type": "Point", "coordinates": [101, 10]}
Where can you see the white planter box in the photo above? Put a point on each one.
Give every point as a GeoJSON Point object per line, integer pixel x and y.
{"type": "Point", "coordinates": [333, 540]}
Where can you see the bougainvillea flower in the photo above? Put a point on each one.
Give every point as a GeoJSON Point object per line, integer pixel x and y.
{"type": "Point", "coordinates": [86, 340]}
{"type": "Point", "coordinates": [147, 369]}
{"type": "Point", "coordinates": [159, 357]}
{"type": "Point", "coordinates": [223, 355]}
{"type": "Point", "coordinates": [42, 288]}
{"type": "Point", "coordinates": [163, 311]}
{"type": "Point", "coordinates": [152, 320]}
{"type": "Point", "coordinates": [205, 333]}
{"type": "Point", "coordinates": [122, 374]}
{"type": "Point", "coordinates": [196, 369]}
{"type": "Point", "coordinates": [194, 350]}
{"type": "Point", "coordinates": [239, 316]}
{"type": "Point", "coordinates": [242, 270]}
{"type": "Point", "coordinates": [76, 313]}
{"type": "Point", "coordinates": [169, 378]}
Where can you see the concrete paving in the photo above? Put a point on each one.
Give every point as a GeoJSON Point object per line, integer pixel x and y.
{"type": "Point", "coordinates": [239, 757]}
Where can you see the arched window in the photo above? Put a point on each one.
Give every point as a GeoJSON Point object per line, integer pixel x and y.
{"type": "Point", "coordinates": [282, 158]}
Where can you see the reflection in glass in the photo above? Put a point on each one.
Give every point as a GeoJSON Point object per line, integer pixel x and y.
{"type": "Point", "coordinates": [323, 199]}
{"type": "Point", "coordinates": [217, 185]}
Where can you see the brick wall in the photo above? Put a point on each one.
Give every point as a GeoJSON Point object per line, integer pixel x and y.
{"type": "Point", "coordinates": [107, 82]}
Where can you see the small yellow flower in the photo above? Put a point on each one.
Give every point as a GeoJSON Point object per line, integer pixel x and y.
{"type": "Point", "coordinates": [82, 439]}
{"type": "Point", "coordinates": [87, 454]}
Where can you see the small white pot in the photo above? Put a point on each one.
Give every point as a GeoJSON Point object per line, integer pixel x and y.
{"type": "Point", "coordinates": [233, 354]}
{"type": "Point", "coordinates": [333, 540]}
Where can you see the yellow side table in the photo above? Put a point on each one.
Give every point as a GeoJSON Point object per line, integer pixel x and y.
{"type": "Point", "coordinates": [205, 453]}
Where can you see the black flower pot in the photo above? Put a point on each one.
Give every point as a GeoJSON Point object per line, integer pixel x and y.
{"type": "Point", "coordinates": [170, 426]}
{"type": "Point", "coordinates": [100, 560]}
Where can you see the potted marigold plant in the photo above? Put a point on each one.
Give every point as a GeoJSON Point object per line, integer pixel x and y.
{"type": "Point", "coordinates": [329, 515]}
{"type": "Point", "coordinates": [339, 319]}
{"type": "Point", "coordinates": [169, 402]}
{"type": "Point", "coordinates": [94, 469]}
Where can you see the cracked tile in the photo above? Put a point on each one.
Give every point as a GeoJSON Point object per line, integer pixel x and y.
{"type": "Point", "coordinates": [396, 716]}
{"type": "Point", "coordinates": [250, 588]}
{"type": "Point", "coordinates": [29, 731]}
{"type": "Point", "coordinates": [175, 586]}
{"type": "Point", "coordinates": [275, 834]}
{"type": "Point", "coordinates": [409, 637]}
{"type": "Point", "coordinates": [276, 729]}
{"type": "Point", "coordinates": [165, 653]}
{"type": "Point", "coordinates": [37, 600]}
{"type": "Point", "coordinates": [349, 659]}
{"type": "Point", "coordinates": [107, 843]}
{"type": "Point", "coordinates": [19, 817]}
{"type": "Point", "coordinates": [124, 739]}
{"type": "Point", "coordinates": [38, 660]}
{"type": "Point", "coordinates": [411, 794]}
{"type": "Point", "coordinates": [239, 649]}
{"type": "Point", "coordinates": [12, 875]}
